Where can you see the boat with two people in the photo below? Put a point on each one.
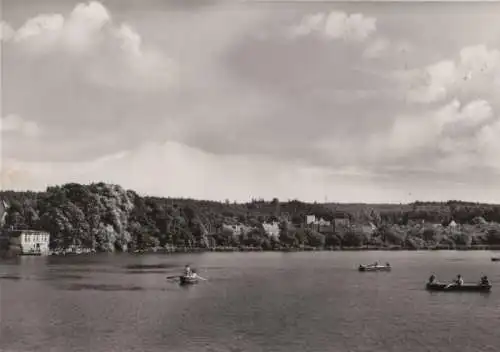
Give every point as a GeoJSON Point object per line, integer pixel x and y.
{"type": "Point", "coordinates": [458, 285]}
{"type": "Point", "coordinates": [375, 267]}
{"type": "Point", "coordinates": [189, 276]}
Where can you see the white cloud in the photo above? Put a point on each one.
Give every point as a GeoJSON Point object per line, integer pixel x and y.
{"type": "Point", "coordinates": [336, 25]}
{"type": "Point", "coordinates": [457, 137]}
{"type": "Point", "coordinates": [45, 24]}
{"type": "Point", "coordinates": [114, 53]}
{"type": "Point", "coordinates": [475, 113]}
{"type": "Point", "coordinates": [340, 25]}
{"type": "Point", "coordinates": [14, 123]}
{"type": "Point", "coordinates": [179, 171]}
{"type": "Point", "coordinates": [309, 24]}
{"type": "Point", "coordinates": [243, 87]}
{"type": "Point", "coordinates": [130, 40]}
{"type": "Point", "coordinates": [86, 25]}
{"type": "Point", "coordinates": [475, 68]}
{"type": "Point", "coordinates": [413, 132]}
{"type": "Point", "coordinates": [488, 144]}
{"type": "Point", "coordinates": [376, 48]}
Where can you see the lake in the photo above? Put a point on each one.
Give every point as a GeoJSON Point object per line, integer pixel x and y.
{"type": "Point", "coordinates": [306, 301]}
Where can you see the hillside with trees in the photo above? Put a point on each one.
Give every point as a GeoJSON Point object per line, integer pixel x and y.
{"type": "Point", "coordinates": [108, 218]}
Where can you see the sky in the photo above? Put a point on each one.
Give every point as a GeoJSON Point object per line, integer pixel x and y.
{"type": "Point", "coordinates": [337, 101]}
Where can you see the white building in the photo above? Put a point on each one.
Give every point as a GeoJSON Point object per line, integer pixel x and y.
{"type": "Point", "coordinates": [31, 242]}
{"type": "Point", "coordinates": [237, 229]}
{"type": "Point", "coordinates": [320, 225]}
{"type": "Point", "coordinates": [312, 220]}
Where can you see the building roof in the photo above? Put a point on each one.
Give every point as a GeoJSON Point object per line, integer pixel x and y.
{"type": "Point", "coordinates": [15, 233]}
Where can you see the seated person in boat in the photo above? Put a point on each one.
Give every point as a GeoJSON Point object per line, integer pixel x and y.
{"type": "Point", "coordinates": [485, 281]}
{"type": "Point", "coordinates": [188, 271]}
{"type": "Point", "coordinates": [387, 264]}
{"type": "Point", "coordinates": [432, 279]}
{"type": "Point", "coordinates": [459, 281]}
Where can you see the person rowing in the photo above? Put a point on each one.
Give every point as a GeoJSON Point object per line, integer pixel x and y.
{"type": "Point", "coordinates": [187, 271]}
{"type": "Point", "coordinates": [432, 279]}
{"type": "Point", "coordinates": [458, 282]}
{"type": "Point", "coordinates": [485, 281]}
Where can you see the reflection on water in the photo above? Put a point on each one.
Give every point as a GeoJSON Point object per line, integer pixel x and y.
{"type": "Point", "coordinates": [101, 287]}
{"type": "Point", "coordinates": [41, 276]}
{"type": "Point", "coordinates": [150, 266]}
{"type": "Point", "coordinates": [251, 302]}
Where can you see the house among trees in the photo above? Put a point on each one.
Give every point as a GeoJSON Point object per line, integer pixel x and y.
{"type": "Point", "coordinates": [341, 222]}
{"type": "Point", "coordinates": [26, 242]}
{"type": "Point", "coordinates": [236, 229]}
{"type": "Point", "coordinates": [319, 224]}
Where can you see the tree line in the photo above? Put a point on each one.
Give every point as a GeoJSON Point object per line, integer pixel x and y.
{"type": "Point", "coordinates": [106, 217]}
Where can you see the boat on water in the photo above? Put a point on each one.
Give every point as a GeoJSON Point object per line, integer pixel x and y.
{"type": "Point", "coordinates": [188, 279]}
{"type": "Point", "coordinates": [441, 286]}
{"type": "Point", "coordinates": [375, 267]}
{"type": "Point", "coordinates": [495, 259]}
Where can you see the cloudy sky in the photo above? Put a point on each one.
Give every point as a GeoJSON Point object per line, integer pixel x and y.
{"type": "Point", "coordinates": [351, 101]}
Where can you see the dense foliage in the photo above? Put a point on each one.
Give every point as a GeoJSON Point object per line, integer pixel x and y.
{"type": "Point", "coordinates": [107, 218]}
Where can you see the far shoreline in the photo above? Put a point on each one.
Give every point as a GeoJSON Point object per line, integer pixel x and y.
{"type": "Point", "coordinates": [194, 250]}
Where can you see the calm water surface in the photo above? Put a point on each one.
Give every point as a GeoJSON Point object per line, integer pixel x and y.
{"type": "Point", "coordinates": [251, 302]}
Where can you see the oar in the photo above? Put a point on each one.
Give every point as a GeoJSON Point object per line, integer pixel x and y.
{"type": "Point", "coordinates": [172, 277]}
{"type": "Point", "coordinates": [201, 278]}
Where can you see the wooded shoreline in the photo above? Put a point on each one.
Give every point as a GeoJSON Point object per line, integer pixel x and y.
{"type": "Point", "coordinates": [107, 218]}
{"type": "Point", "coordinates": [186, 250]}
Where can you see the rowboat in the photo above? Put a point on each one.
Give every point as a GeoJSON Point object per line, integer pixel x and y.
{"type": "Point", "coordinates": [440, 286]}
{"type": "Point", "coordinates": [188, 280]}
{"type": "Point", "coordinates": [374, 268]}
{"type": "Point", "coordinates": [495, 259]}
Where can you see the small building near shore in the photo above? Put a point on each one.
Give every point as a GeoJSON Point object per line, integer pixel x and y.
{"type": "Point", "coordinates": [27, 242]}
{"type": "Point", "coordinates": [319, 224]}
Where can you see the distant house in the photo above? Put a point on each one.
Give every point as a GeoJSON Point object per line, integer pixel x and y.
{"type": "Point", "coordinates": [29, 242]}
{"type": "Point", "coordinates": [237, 229]}
{"type": "Point", "coordinates": [341, 222]}
{"type": "Point", "coordinates": [310, 219]}
{"type": "Point", "coordinates": [321, 225]}
{"type": "Point", "coordinates": [272, 229]}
